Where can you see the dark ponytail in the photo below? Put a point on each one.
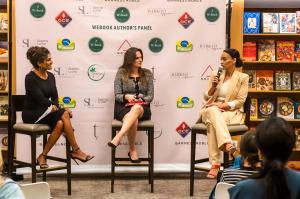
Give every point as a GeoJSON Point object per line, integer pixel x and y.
{"type": "Point", "coordinates": [276, 139]}
{"type": "Point", "coordinates": [235, 54]}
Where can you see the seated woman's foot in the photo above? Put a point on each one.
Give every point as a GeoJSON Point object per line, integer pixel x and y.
{"type": "Point", "coordinates": [213, 172]}
{"type": "Point", "coordinates": [133, 155]}
{"type": "Point", "coordinates": [114, 143]}
{"type": "Point", "coordinates": [41, 160]}
{"type": "Point", "coordinates": [77, 154]}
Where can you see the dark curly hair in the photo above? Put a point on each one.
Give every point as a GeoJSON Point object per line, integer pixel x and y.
{"type": "Point", "coordinates": [36, 55]}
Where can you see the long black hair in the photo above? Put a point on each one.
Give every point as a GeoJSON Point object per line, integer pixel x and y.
{"type": "Point", "coordinates": [235, 54]}
{"type": "Point", "coordinates": [276, 139]}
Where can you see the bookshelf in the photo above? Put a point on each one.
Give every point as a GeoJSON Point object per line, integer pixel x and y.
{"type": "Point", "coordinates": [291, 66]}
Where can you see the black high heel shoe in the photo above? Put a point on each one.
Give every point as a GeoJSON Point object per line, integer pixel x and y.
{"type": "Point", "coordinates": [110, 144]}
{"type": "Point", "coordinates": [86, 159]}
{"type": "Point", "coordinates": [134, 161]}
{"type": "Point", "coordinates": [42, 166]}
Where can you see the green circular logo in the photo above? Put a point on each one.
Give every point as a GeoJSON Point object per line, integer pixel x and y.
{"type": "Point", "coordinates": [96, 72]}
{"type": "Point", "coordinates": [96, 44]}
{"type": "Point", "coordinates": [37, 10]}
{"type": "Point", "coordinates": [212, 14]}
{"type": "Point", "coordinates": [122, 14]}
{"type": "Point", "coordinates": [156, 45]}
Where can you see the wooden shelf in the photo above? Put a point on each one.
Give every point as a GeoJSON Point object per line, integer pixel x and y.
{"type": "Point", "coordinates": [272, 34]}
{"type": "Point", "coordinates": [272, 62]}
{"type": "Point", "coordinates": [3, 31]}
{"type": "Point", "coordinates": [3, 59]}
{"type": "Point", "coordinates": [4, 148]}
{"type": "Point", "coordinates": [271, 92]}
{"type": "Point", "coordinates": [4, 120]}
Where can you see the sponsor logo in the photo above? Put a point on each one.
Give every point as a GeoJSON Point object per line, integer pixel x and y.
{"type": "Point", "coordinates": [184, 46]}
{"type": "Point", "coordinates": [96, 44]}
{"type": "Point", "coordinates": [185, 102]}
{"type": "Point", "coordinates": [183, 129]}
{"type": "Point", "coordinates": [212, 14]}
{"type": "Point", "coordinates": [96, 72]}
{"type": "Point", "coordinates": [157, 103]}
{"type": "Point", "coordinates": [127, 1]}
{"type": "Point", "coordinates": [186, 20]}
{"type": "Point", "coordinates": [156, 45]}
{"type": "Point", "coordinates": [206, 73]}
{"type": "Point", "coordinates": [86, 10]}
{"type": "Point", "coordinates": [66, 72]}
{"type": "Point", "coordinates": [153, 73]}
{"type": "Point", "coordinates": [63, 18]}
{"type": "Point", "coordinates": [185, 1]}
{"type": "Point", "coordinates": [67, 102]}
{"type": "Point", "coordinates": [124, 47]}
{"type": "Point", "coordinates": [65, 44]}
{"type": "Point", "coordinates": [37, 10]}
{"type": "Point", "coordinates": [158, 12]}
{"type": "Point", "coordinates": [122, 14]}
{"type": "Point", "coordinates": [96, 102]}
{"type": "Point", "coordinates": [39, 42]}
{"type": "Point", "coordinates": [180, 75]}
{"type": "Point", "coordinates": [210, 46]}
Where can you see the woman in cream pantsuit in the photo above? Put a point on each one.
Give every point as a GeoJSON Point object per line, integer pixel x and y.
{"type": "Point", "coordinates": [226, 95]}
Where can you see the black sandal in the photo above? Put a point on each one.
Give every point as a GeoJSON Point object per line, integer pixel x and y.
{"type": "Point", "coordinates": [86, 159]}
{"type": "Point", "coordinates": [44, 165]}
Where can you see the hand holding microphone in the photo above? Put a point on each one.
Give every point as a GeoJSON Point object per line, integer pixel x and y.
{"type": "Point", "coordinates": [216, 78]}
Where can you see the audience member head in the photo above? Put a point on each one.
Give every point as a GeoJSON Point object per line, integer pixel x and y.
{"type": "Point", "coordinates": [37, 55]}
{"type": "Point", "coordinates": [249, 149]}
{"type": "Point", "coordinates": [275, 139]}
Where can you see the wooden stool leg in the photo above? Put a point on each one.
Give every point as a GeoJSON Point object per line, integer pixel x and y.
{"type": "Point", "coordinates": [11, 152]}
{"type": "Point", "coordinates": [113, 155]}
{"type": "Point", "coordinates": [44, 144]}
{"type": "Point", "coordinates": [192, 172]}
{"type": "Point", "coordinates": [149, 156]}
{"type": "Point", "coordinates": [68, 157]}
{"type": "Point", "coordinates": [33, 157]}
{"type": "Point", "coordinates": [151, 135]}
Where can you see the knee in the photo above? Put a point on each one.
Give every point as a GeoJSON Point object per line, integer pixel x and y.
{"type": "Point", "coordinates": [60, 124]}
{"type": "Point", "coordinates": [137, 108]}
{"type": "Point", "coordinates": [211, 110]}
{"type": "Point", "coordinates": [65, 115]}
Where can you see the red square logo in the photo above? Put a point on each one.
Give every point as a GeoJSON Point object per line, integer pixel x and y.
{"type": "Point", "coordinates": [183, 129]}
{"type": "Point", "coordinates": [63, 19]}
{"type": "Point", "coordinates": [186, 20]}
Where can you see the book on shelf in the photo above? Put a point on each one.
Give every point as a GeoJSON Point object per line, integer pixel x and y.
{"type": "Point", "coordinates": [298, 22]}
{"type": "Point", "coordinates": [3, 107]}
{"type": "Point", "coordinates": [283, 80]}
{"type": "Point", "coordinates": [3, 21]}
{"type": "Point", "coordinates": [296, 81]}
{"type": "Point", "coordinates": [251, 22]}
{"type": "Point", "coordinates": [270, 22]}
{"type": "Point", "coordinates": [253, 109]}
{"type": "Point", "coordinates": [252, 79]}
{"type": "Point", "coordinates": [264, 80]}
{"type": "Point", "coordinates": [249, 51]}
{"type": "Point", "coordinates": [266, 108]}
{"type": "Point", "coordinates": [266, 50]}
{"type": "Point", "coordinates": [297, 51]}
{"type": "Point", "coordinates": [3, 49]}
{"type": "Point", "coordinates": [297, 109]}
{"type": "Point", "coordinates": [287, 22]}
{"type": "Point", "coordinates": [285, 108]}
{"type": "Point", "coordinates": [285, 50]}
{"type": "Point", "coordinates": [297, 133]}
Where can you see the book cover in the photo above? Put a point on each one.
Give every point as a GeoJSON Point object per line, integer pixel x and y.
{"type": "Point", "coordinates": [285, 108]}
{"type": "Point", "coordinates": [253, 109]}
{"type": "Point", "coordinates": [3, 49]}
{"type": "Point", "coordinates": [298, 22]}
{"type": "Point", "coordinates": [297, 109]}
{"type": "Point", "coordinates": [296, 81]}
{"type": "Point", "coordinates": [266, 108]}
{"type": "Point", "coordinates": [297, 51]}
{"type": "Point", "coordinates": [264, 80]}
{"type": "Point", "coordinates": [252, 79]}
{"type": "Point", "coordinates": [266, 50]}
{"type": "Point", "coordinates": [287, 22]}
{"type": "Point", "coordinates": [283, 80]}
{"type": "Point", "coordinates": [3, 21]}
{"type": "Point", "coordinates": [285, 50]}
{"type": "Point", "coordinates": [3, 81]}
{"type": "Point", "coordinates": [297, 133]}
{"type": "Point", "coordinates": [270, 22]}
{"type": "Point", "coordinates": [3, 107]}
{"type": "Point", "coordinates": [249, 51]}
{"type": "Point", "coordinates": [251, 22]}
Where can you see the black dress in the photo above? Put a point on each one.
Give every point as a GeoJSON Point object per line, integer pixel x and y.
{"type": "Point", "coordinates": [40, 94]}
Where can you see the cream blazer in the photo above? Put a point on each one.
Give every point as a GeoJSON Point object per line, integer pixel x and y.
{"type": "Point", "coordinates": [238, 91]}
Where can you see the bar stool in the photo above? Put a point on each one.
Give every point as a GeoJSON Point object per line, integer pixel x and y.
{"type": "Point", "coordinates": [147, 126]}
{"type": "Point", "coordinates": [200, 129]}
{"type": "Point", "coordinates": [34, 131]}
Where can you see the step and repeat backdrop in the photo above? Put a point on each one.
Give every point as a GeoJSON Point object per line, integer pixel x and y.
{"type": "Point", "coordinates": [182, 41]}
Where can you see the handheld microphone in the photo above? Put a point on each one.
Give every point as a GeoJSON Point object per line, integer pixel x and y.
{"type": "Point", "coordinates": [220, 70]}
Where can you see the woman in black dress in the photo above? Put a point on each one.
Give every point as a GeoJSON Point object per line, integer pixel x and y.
{"type": "Point", "coordinates": [41, 93]}
{"type": "Point", "coordinates": [132, 84]}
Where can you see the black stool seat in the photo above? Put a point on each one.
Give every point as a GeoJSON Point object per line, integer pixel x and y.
{"type": "Point", "coordinates": [148, 161]}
